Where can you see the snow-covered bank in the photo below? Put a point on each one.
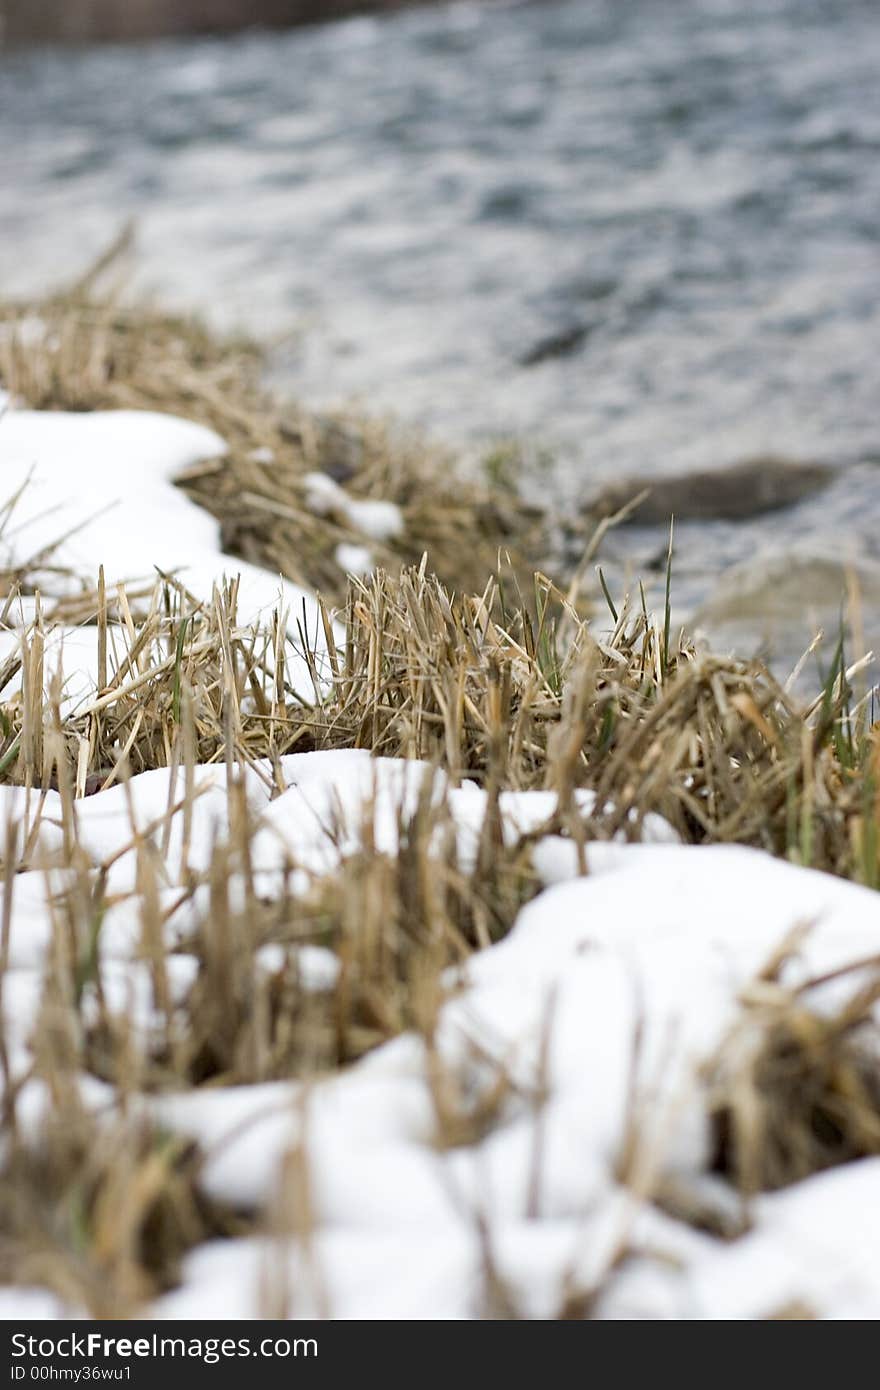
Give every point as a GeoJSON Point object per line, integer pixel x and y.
{"type": "Point", "coordinates": [594, 1024]}
{"type": "Point", "coordinates": [619, 992]}
{"type": "Point", "coordinates": [96, 489]}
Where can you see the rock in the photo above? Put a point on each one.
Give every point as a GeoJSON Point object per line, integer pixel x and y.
{"type": "Point", "coordinates": [341, 448]}
{"type": "Point", "coordinates": [782, 587]}
{"type": "Point", "coordinates": [778, 601]}
{"type": "Point", "coordinates": [561, 344]}
{"type": "Point", "coordinates": [761, 484]}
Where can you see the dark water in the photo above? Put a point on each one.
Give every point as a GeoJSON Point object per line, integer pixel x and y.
{"type": "Point", "coordinates": [637, 236]}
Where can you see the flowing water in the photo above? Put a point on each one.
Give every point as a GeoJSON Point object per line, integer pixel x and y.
{"type": "Point", "coordinates": [636, 237]}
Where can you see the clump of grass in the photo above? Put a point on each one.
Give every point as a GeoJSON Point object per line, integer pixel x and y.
{"type": "Point", "coordinates": [470, 680]}
{"type": "Point", "coordinates": [794, 1090]}
{"type": "Point", "coordinates": [101, 1211]}
{"type": "Point", "coordinates": [390, 926]}
{"type": "Point", "coordinates": [178, 681]}
{"type": "Point", "coordinates": [636, 715]}
{"type": "Point", "coordinates": [514, 696]}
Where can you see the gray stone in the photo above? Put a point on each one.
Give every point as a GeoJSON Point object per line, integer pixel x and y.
{"type": "Point", "coordinates": [745, 489]}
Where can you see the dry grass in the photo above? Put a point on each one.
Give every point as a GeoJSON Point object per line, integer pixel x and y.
{"type": "Point", "coordinates": [102, 1213]}
{"type": "Point", "coordinates": [86, 348]}
{"type": "Point", "coordinates": [794, 1090]}
{"type": "Point", "coordinates": [510, 699]}
{"type": "Point", "coordinates": [635, 714]}
{"type": "Point", "coordinates": [178, 681]}
{"type": "Point", "coordinates": [100, 1208]}
{"type": "Point", "coordinates": [390, 926]}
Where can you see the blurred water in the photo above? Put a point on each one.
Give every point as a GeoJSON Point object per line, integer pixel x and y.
{"type": "Point", "coordinates": [688, 193]}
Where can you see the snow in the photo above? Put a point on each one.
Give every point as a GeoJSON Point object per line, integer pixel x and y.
{"type": "Point", "coordinates": [96, 489]}
{"type": "Point", "coordinates": [354, 559]}
{"type": "Point", "coordinates": [318, 968]}
{"type": "Point", "coordinates": [25, 1305]}
{"type": "Point", "coordinates": [601, 1007]}
{"type": "Point", "coordinates": [380, 521]}
{"type": "Point", "coordinates": [102, 483]}
{"type": "Point", "coordinates": [814, 1244]}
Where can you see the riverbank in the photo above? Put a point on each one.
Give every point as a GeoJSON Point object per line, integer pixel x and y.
{"type": "Point", "coordinates": [429, 915]}
{"type": "Point", "coordinates": [24, 22]}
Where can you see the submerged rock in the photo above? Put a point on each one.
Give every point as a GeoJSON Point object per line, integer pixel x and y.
{"type": "Point", "coordinates": [780, 601]}
{"type": "Point", "coordinates": [761, 484]}
{"type": "Point", "coordinates": [782, 587]}
{"type": "Point", "coordinates": [561, 344]}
